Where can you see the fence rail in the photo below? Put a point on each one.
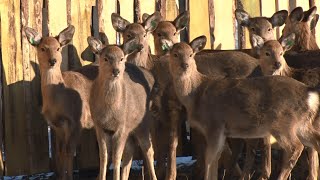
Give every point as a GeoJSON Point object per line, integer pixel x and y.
{"type": "Point", "coordinates": [23, 131]}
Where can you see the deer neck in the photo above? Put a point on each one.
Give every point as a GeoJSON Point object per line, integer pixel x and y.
{"type": "Point", "coordinates": [49, 77]}
{"type": "Point", "coordinates": [187, 86]}
{"type": "Point", "coordinates": [111, 90]}
{"type": "Point", "coordinates": [141, 58]}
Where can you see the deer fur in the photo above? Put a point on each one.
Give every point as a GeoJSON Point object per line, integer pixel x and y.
{"type": "Point", "coordinates": [216, 108]}
{"type": "Point", "coordinates": [65, 97]}
{"type": "Point", "coordinates": [119, 103]}
{"type": "Point", "coordinates": [302, 23]}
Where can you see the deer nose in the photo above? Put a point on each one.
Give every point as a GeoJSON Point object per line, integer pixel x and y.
{"type": "Point", "coordinates": [277, 65]}
{"type": "Point", "coordinates": [184, 66]}
{"type": "Point", "coordinates": [115, 72]}
{"type": "Point", "coordinates": [52, 61]}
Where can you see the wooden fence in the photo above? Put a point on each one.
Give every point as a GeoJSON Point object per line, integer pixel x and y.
{"type": "Point", "coordinates": [23, 131]}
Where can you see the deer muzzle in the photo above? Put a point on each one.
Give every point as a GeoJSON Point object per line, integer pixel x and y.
{"type": "Point", "coordinates": [52, 61]}
{"type": "Point", "coordinates": [115, 72]}
{"type": "Point", "coordinates": [184, 66]}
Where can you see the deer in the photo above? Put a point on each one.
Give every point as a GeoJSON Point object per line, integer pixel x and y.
{"type": "Point", "coordinates": [276, 105]}
{"type": "Point", "coordinates": [119, 104]}
{"type": "Point", "coordinates": [302, 23]}
{"type": "Point", "coordinates": [65, 97]}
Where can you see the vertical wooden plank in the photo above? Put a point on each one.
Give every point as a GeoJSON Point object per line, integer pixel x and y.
{"type": "Point", "coordinates": [281, 5]}
{"type": "Point", "coordinates": [199, 20]}
{"type": "Point", "coordinates": [81, 19]}
{"type": "Point", "coordinates": [105, 9]}
{"type": "Point", "coordinates": [303, 3]}
{"type": "Point", "coordinates": [17, 161]}
{"type": "Point", "coordinates": [172, 10]}
{"type": "Point", "coordinates": [126, 9]}
{"type": "Point", "coordinates": [253, 8]}
{"type": "Point", "coordinates": [148, 7]}
{"type": "Point", "coordinates": [57, 21]}
{"type": "Point", "coordinates": [268, 8]}
{"type": "Point", "coordinates": [36, 126]}
{"type": "Point", "coordinates": [224, 24]}
{"type": "Point", "coordinates": [1, 103]}
{"type": "Point", "coordinates": [317, 30]}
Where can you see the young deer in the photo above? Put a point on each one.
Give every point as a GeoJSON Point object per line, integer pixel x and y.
{"type": "Point", "coordinates": [261, 26]}
{"type": "Point", "coordinates": [302, 23]}
{"type": "Point", "coordinates": [119, 103]}
{"type": "Point", "coordinates": [273, 63]}
{"type": "Point", "coordinates": [280, 106]}
{"type": "Point", "coordinates": [65, 97]}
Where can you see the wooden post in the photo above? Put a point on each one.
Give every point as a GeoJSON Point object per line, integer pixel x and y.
{"type": "Point", "coordinates": [281, 5]}
{"type": "Point", "coordinates": [1, 105]}
{"type": "Point", "coordinates": [105, 9]}
{"type": "Point", "coordinates": [148, 7]}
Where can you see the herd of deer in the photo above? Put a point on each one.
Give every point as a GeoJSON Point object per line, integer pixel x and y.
{"type": "Point", "coordinates": [133, 97]}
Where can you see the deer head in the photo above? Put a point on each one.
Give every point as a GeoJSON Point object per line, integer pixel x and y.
{"type": "Point", "coordinates": [301, 23]}
{"type": "Point", "coordinates": [270, 53]}
{"type": "Point", "coordinates": [261, 26]}
{"type": "Point", "coordinates": [112, 58]}
{"type": "Point", "coordinates": [169, 30]}
{"type": "Point", "coordinates": [49, 48]}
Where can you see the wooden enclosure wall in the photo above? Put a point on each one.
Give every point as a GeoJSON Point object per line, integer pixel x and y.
{"type": "Point", "coordinates": [23, 131]}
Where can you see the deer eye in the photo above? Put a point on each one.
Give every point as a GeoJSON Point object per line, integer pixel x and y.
{"type": "Point", "coordinates": [106, 59]}
{"type": "Point", "coordinates": [268, 54]}
{"type": "Point", "coordinates": [191, 55]}
{"type": "Point", "coordinates": [121, 59]}
{"type": "Point", "coordinates": [159, 34]}
{"type": "Point", "coordinates": [175, 55]}
{"type": "Point", "coordinates": [281, 53]}
{"type": "Point", "coordinates": [253, 29]}
{"type": "Point", "coordinates": [269, 29]}
{"type": "Point", "coordinates": [145, 35]}
{"type": "Point", "coordinates": [43, 49]}
{"type": "Point", "coordinates": [129, 36]}
{"type": "Point", "coordinates": [58, 49]}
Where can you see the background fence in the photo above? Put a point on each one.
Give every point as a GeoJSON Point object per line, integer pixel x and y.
{"type": "Point", "coordinates": [23, 131]}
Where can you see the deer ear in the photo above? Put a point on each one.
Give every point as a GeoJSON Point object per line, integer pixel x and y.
{"type": "Point", "coordinates": [66, 35]}
{"type": "Point", "coordinates": [131, 46]}
{"type": "Point", "coordinates": [314, 21]}
{"type": "Point", "coordinates": [95, 45]}
{"type": "Point", "coordinates": [242, 17]}
{"type": "Point", "coordinates": [182, 21]}
{"type": "Point", "coordinates": [279, 18]}
{"type": "Point", "coordinates": [33, 36]}
{"type": "Point", "coordinates": [198, 43]}
{"type": "Point", "coordinates": [119, 23]}
{"type": "Point", "coordinates": [257, 41]}
{"type": "Point", "coordinates": [151, 23]}
{"type": "Point", "coordinates": [309, 15]}
{"type": "Point", "coordinates": [145, 16]}
{"type": "Point", "coordinates": [288, 42]}
{"type": "Point", "coordinates": [104, 38]}
{"type": "Point", "coordinates": [296, 15]}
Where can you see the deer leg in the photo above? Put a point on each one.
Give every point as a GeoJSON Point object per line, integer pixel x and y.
{"type": "Point", "coordinates": [143, 137]}
{"type": "Point", "coordinates": [313, 163]}
{"type": "Point", "coordinates": [292, 151]}
{"type": "Point", "coordinates": [119, 140]}
{"type": "Point", "coordinates": [251, 144]}
{"type": "Point", "coordinates": [127, 159]}
{"type": "Point", "coordinates": [58, 156]}
{"type": "Point", "coordinates": [198, 144]}
{"type": "Point", "coordinates": [161, 149]}
{"type": "Point", "coordinates": [102, 139]}
{"type": "Point", "coordinates": [213, 152]}
{"type": "Point", "coordinates": [172, 161]}
{"type": "Point", "coordinates": [266, 169]}
{"type": "Point", "coordinates": [231, 156]}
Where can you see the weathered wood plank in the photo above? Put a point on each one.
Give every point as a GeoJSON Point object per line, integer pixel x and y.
{"type": "Point", "coordinates": [303, 3]}
{"type": "Point", "coordinates": [57, 21]}
{"type": "Point", "coordinates": [172, 10]}
{"type": "Point", "coordinates": [17, 155]}
{"type": "Point", "coordinates": [36, 126]}
{"type": "Point", "coordinates": [1, 104]}
{"type": "Point", "coordinates": [199, 20]}
{"type": "Point", "coordinates": [268, 8]}
{"type": "Point", "coordinates": [105, 9]}
{"type": "Point", "coordinates": [81, 19]}
{"type": "Point", "coordinates": [126, 9]}
{"type": "Point", "coordinates": [253, 8]}
{"type": "Point", "coordinates": [224, 28]}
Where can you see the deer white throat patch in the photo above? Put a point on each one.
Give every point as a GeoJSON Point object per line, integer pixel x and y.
{"type": "Point", "coordinates": [313, 101]}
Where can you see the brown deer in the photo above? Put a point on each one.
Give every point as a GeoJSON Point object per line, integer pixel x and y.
{"type": "Point", "coordinates": [273, 63]}
{"type": "Point", "coordinates": [119, 103]}
{"type": "Point", "coordinates": [244, 108]}
{"type": "Point", "coordinates": [302, 23]}
{"type": "Point", "coordinates": [65, 97]}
